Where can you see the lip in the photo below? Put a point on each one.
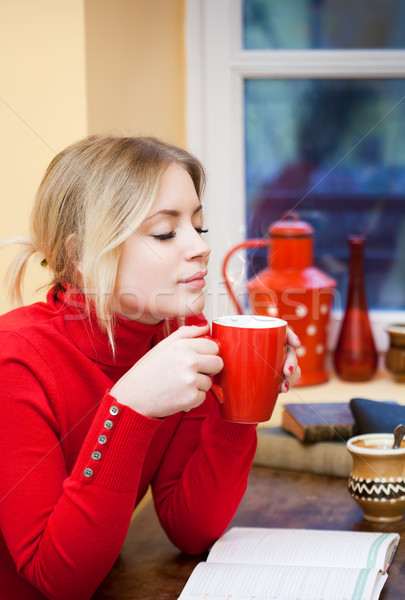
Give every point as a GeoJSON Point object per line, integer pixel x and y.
{"type": "Point", "coordinates": [196, 281]}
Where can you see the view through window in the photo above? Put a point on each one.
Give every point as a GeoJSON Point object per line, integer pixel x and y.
{"type": "Point", "coordinates": [331, 149]}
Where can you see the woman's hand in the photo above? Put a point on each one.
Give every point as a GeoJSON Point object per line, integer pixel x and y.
{"type": "Point", "coordinates": [291, 370]}
{"type": "Point", "coordinates": [173, 376]}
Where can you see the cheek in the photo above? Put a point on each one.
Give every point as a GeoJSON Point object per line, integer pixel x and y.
{"type": "Point", "coordinates": [146, 268]}
{"type": "Point", "coordinates": [146, 275]}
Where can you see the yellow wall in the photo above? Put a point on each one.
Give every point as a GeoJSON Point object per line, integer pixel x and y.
{"type": "Point", "coordinates": [136, 67]}
{"type": "Point", "coordinates": [73, 67]}
{"type": "Point", "coordinates": [42, 107]}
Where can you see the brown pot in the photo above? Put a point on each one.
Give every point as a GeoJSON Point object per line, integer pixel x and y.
{"type": "Point", "coordinates": [395, 357]}
{"type": "Point", "coordinates": [377, 479]}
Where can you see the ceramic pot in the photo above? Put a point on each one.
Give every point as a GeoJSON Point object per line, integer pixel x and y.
{"type": "Point", "coordinates": [395, 357]}
{"type": "Point", "coordinates": [377, 479]}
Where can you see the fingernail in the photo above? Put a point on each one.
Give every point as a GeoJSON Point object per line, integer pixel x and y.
{"type": "Point", "coordinates": [291, 368]}
{"type": "Point", "coordinates": [286, 385]}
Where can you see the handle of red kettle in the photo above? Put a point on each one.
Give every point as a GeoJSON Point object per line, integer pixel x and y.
{"type": "Point", "coordinates": [247, 244]}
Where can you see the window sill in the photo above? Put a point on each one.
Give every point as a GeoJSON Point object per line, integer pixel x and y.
{"type": "Point", "coordinates": [381, 387]}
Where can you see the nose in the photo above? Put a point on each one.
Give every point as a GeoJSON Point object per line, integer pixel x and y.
{"type": "Point", "coordinates": [198, 247]}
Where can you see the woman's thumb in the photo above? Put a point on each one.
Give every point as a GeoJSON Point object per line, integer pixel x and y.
{"type": "Point", "coordinates": [190, 331]}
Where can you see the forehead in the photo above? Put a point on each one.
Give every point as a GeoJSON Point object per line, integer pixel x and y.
{"type": "Point", "coordinates": [175, 178]}
{"type": "Point", "coordinates": [176, 194]}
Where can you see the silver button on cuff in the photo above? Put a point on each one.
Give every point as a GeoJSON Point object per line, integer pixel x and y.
{"type": "Point", "coordinates": [102, 439]}
{"type": "Point", "coordinates": [88, 472]}
{"type": "Point", "coordinates": [96, 455]}
{"type": "Point", "coordinates": [114, 410]}
{"type": "Point", "coordinates": [108, 424]}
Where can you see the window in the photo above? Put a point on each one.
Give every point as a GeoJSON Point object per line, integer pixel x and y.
{"type": "Point", "coordinates": [322, 24]}
{"type": "Point", "coordinates": [301, 105]}
{"type": "Point", "coordinates": [332, 150]}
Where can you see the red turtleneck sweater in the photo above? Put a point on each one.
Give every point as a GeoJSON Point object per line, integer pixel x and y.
{"type": "Point", "coordinates": [74, 462]}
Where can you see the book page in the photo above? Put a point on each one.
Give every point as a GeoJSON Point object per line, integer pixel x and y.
{"type": "Point", "coordinates": [303, 547]}
{"type": "Point", "coordinates": [215, 581]}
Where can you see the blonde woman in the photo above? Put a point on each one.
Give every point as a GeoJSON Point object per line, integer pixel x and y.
{"type": "Point", "coordinates": [102, 392]}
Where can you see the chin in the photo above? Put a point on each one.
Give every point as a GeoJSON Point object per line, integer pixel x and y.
{"type": "Point", "coordinates": [197, 306]}
{"type": "Point", "coordinates": [193, 308]}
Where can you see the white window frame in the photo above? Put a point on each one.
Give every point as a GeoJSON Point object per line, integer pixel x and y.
{"type": "Point", "coordinates": [215, 73]}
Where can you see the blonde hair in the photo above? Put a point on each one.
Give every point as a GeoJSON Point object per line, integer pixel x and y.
{"type": "Point", "coordinates": [94, 194]}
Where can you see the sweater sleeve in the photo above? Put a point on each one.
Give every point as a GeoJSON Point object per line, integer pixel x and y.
{"type": "Point", "coordinates": [203, 477]}
{"type": "Point", "coordinates": [64, 531]}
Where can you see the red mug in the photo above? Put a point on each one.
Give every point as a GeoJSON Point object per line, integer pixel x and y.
{"type": "Point", "coordinates": [253, 349]}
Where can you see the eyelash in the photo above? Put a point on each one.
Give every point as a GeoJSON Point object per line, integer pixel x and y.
{"type": "Point", "coordinates": [169, 236]}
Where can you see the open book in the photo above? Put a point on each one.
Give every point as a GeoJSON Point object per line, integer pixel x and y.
{"type": "Point", "coordinates": [293, 564]}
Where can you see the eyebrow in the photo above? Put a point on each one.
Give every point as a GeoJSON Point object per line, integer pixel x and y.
{"type": "Point", "coordinates": [172, 213]}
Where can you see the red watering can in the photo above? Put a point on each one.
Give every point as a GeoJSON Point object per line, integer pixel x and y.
{"type": "Point", "coordinates": [291, 288]}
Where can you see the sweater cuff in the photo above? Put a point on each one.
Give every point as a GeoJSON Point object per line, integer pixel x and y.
{"type": "Point", "coordinates": [114, 449]}
{"type": "Point", "coordinates": [233, 432]}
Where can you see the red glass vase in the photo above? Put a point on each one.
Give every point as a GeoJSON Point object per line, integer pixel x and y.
{"type": "Point", "coordinates": [356, 355]}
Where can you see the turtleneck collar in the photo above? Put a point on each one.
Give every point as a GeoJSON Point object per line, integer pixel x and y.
{"type": "Point", "coordinates": [132, 339]}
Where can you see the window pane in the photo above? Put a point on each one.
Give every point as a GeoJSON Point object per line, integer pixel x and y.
{"type": "Point", "coordinates": [334, 151]}
{"type": "Point", "coordinates": [325, 24]}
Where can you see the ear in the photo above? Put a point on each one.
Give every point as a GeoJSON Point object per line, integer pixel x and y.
{"type": "Point", "coordinates": [72, 251]}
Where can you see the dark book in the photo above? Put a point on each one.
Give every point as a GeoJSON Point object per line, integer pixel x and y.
{"type": "Point", "coordinates": [319, 422]}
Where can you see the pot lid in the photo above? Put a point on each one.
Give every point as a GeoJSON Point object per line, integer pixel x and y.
{"type": "Point", "coordinates": [290, 226]}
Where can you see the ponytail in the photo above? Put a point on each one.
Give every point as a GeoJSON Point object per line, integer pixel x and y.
{"type": "Point", "coordinates": [16, 270]}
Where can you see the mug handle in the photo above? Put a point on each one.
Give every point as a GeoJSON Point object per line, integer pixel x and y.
{"type": "Point", "coordinates": [215, 388]}
{"type": "Point", "coordinates": [217, 392]}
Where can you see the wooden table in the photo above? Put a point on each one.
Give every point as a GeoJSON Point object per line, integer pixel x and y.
{"type": "Point", "coordinates": [151, 568]}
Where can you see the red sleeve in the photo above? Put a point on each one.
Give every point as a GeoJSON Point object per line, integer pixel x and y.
{"type": "Point", "coordinates": [64, 532]}
{"type": "Point", "coordinates": [203, 477]}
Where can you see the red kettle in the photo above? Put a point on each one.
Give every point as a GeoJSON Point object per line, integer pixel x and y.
{"type": "Point", "coordinates": [291, 288]}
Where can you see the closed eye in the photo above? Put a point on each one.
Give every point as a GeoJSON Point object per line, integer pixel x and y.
{"type": "Point", "coordinates": [162, 237]}
{"type": "Point", "coordinates": [165, 236]}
